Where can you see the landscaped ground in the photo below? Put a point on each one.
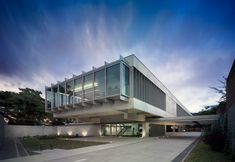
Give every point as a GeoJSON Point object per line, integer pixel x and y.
{"type": "Point", "coordinates": [203, 153]}
{"type": "Point", "coordinates": [36, 144]}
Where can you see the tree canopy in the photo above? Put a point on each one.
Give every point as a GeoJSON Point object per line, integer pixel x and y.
{"type": "Point", "coordinates": [220, 108]}
{"type": "Point", "coordinates": [25, 107]}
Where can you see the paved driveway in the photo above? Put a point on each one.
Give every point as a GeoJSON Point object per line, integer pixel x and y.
{"type": "Point", "coordinates": [134, 150]}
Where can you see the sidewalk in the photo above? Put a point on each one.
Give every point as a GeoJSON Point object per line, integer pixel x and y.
{"type": "Point", "coordinates": [131, 149]}
{"type": "Point", "coordinates": [57, 154]}
{"type": "Point", "coordinates": [12, 148]}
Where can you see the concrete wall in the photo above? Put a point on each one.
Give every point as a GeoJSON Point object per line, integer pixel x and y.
{"type": "Point", "coordinates": [231, 128]}
{"type": "Point", "coordinates": [157, 130]}
{"type": "Point", "coordinates": [134, 61]}
{"type": "Point", "coordinates": [2, 130]}
{"type": "Point", "coordinates": [181, 112]}
{"type": "Point", "coordinates": [230, 106]}
{"type": "Point", "coordinates": [148, 92]}
{"type": "Point", "coordinates": [170, 105]}
{"type": "Point", "coordinates": [81, 130]}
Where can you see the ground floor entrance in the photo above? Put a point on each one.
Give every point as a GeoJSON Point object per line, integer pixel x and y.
{"type": "Point", "coordinates": [139, 129]}
{"type": "Point", "coordinates": [127, 129]}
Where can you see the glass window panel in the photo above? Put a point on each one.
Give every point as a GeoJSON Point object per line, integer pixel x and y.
{"type": "Point", "coordinates": [62, 97]}
{"type": "Point", "coordinates": [69, 91]}
{"type": "Point", "coordinates": [99, 84]}
{"type": "Point", "coordinates": [113, 80]}
{"type": "Point", "coordinates": [49, 98]}
{"type": "Point", "coordinates": [78, 90]}
{"type": "Point", "coordinates": [125, 80]}
{"type": "Point", "coordinates": [62, 88]}
{"type": "Point", "coordinates": [55, 96]}
{"type": "Point", "coordinates": [88, 87]}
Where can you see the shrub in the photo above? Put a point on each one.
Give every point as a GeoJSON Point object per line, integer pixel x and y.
{"type": "Point", "coordinates": [216, 140]}
{"type": "Point", "coordinates": [47, 137]}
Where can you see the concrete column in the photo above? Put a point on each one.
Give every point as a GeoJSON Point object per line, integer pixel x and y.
{"type": "Point", "coordinates": [116, 129]}
{"type": "Point", "coordinates": [145, 130]}
{"type": "Point", "coordinates": [157, 130]}
{"type": "Point", "coordinates": [110, 127]}
{"type": "Point", "coordinates": [165, 129]}
{"type": "Point", "coordinates": [173, 128]}
{"type": "Point", "coordinates": [77, 120]}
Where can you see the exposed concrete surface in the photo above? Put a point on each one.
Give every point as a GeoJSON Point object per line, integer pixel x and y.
{"type": "Point", "coordinates": [26, 130]}
{"type": "Point", "coordinates": [12, 148]}
{"type": "Point", "coordinates": [2, 132]}
{"type": "Point", "coordinates": [136, 150]}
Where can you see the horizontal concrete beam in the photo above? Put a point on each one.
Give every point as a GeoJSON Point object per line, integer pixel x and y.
{"type": "Point", "coordinates": [200, 118]}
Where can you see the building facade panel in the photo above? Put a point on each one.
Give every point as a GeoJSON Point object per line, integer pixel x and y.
{"type": "Point", "coordinates": [99, 84]}
{"type": "Point", "coordinates": [181, 111]}
{"type": "Point", "coordinates": [135, 62]}
{"type": "Point", "coordinates": [113, 80]}
{"type": "Point", "coordinates": [170, 105]}
{"type": "Point", "coordinates": [230, 89]}
{"type": "Point", "coordinates": [148, 92]}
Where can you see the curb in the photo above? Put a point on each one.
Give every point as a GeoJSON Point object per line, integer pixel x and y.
{"type": "Point", "coordinates": [185, 153]}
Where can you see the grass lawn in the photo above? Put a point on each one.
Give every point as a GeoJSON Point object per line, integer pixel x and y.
{"type": "Point", "coordinates": [36, 144]}
{"type": "Point", "coordinates": [203, 153]}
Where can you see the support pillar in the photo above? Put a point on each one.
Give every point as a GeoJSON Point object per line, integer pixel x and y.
{"type": "Point", "coordinates": [145, 130]}
{"type": "Point", "coordinates": [110, 127]}
{"type": "Point", "coordinates": [173, 128]}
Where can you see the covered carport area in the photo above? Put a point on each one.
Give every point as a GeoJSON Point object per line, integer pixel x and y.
{"type": "Point", "coordinates": [161, 126]}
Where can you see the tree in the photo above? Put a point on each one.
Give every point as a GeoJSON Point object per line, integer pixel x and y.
{"type": "Point", "coordinates": [208, 110]}
{"type": "Point", "coordinates": [25, 107]}
{"type": "Point", "coordinates": [221, 89]}
{"type": "Point", "coordinates": [220, 108]}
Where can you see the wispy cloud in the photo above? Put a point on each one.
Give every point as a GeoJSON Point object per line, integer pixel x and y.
{"type": "Point", "coordinates": [186, 46]}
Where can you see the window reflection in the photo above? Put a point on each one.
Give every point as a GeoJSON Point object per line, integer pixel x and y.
{"type": "Point", "coordinates": [88, 87]}
{"type": "Point", "coordinates": [49, 98]}
{"type": "Point", "coordinates": [69, 91]}
{"type": "Point", "coordinates": [78, 90]}
{"type": "Point", "coordinates": [113, 80]}
{"type": "Point", "coordinates": [62, 98]}
{"type": "Point", "coordinates": [55, 96]}
{"type": "Point", "coordinates": [99, 84]}
{"type": "Point", "coordinates": [125, 80]}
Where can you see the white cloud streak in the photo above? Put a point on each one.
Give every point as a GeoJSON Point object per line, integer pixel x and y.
{"type": "Point", "coordinates": [74, 47]}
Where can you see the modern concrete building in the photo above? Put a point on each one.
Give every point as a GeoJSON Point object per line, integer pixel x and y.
{"type": "Point", "coordinates": [122, 96]}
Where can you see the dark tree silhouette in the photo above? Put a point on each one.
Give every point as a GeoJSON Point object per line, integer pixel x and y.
{"type": "Point", "coordinates": [221, 89]}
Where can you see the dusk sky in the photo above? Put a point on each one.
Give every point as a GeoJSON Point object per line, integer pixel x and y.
{"type": "Point", "coordinates": [188, 45]}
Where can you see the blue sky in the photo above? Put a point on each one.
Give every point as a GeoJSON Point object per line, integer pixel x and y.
{"type": "Point", "coordinates": [188, 45]}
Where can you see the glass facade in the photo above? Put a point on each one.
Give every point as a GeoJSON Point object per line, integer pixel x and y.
{"type": "Point", "coordinates": [99, 84]}
{"type": "Point", "coordinates": [49, 95]}
{"type": "Point", "coordinates": [78, 91]}
{"type": "Point", "coordinates": [55, 96]}
{"type": "Point", "coordinates": [69, 92]}
{"type": "Point", "coordinates": [88, 87]}
{"type": "Point", "coordinates": [113, 80]}
{"type": "Point", "coordinates": [61, 95]}
{"type": "Point", "coordinates": [96, 85]}
{"type": "Point", "coordinates": [125, 80]}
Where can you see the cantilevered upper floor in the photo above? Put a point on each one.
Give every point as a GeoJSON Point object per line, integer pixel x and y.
{"type": "Point", "coordinates": [124, 90]}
